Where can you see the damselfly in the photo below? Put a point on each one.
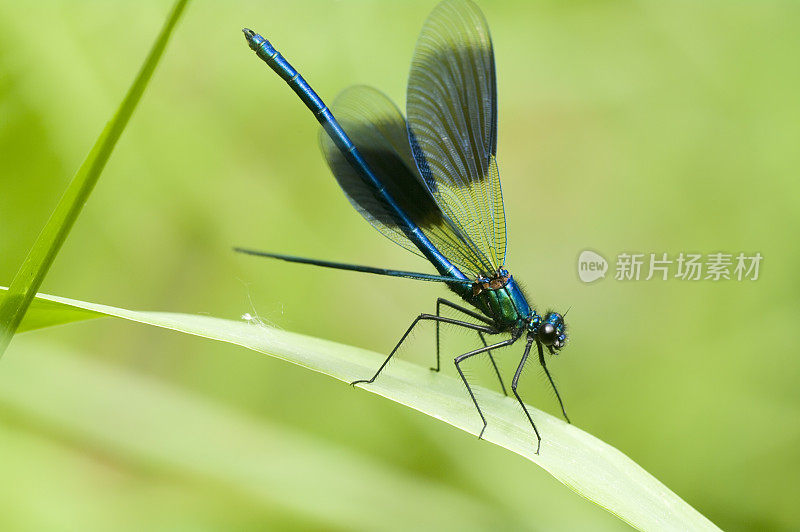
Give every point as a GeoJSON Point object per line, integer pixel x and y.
{"type": "Point", "coordinates": [431, 184]}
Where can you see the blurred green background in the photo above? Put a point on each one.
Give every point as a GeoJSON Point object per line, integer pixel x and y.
{"type": "Point", "coordinates": [624, 127]}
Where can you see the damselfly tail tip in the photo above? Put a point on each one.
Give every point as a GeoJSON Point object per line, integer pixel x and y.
{"type": "Point", "coordinates": [250, 36]}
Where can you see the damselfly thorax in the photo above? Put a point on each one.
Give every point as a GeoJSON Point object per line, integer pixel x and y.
{"type": "Point", "coordinates": [500, 298]}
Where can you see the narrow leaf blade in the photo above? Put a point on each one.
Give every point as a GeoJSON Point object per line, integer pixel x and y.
{"type": "Point", "coordinates": [587, 465]}
{"type": "Point", "coordinates": [34, 268]}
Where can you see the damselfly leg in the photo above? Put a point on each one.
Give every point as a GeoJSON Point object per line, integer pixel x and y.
{"type": "Point", "coordinates": [439, 319]}
{"type": "Point", "coordinates": [471, 313]}
{"type": "Point", "coordinates": [552, 383]}
{"type": "Point", "coordinates": [459, 359]}
{"type": "Point", "coordinates": [514, 384]}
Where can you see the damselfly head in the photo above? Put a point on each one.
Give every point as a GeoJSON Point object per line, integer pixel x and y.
{"type": "Point", "coordinates": [552, 331]}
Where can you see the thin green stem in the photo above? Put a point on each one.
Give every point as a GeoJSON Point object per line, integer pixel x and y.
{"type": "Point", "coordinates": [43, 252]}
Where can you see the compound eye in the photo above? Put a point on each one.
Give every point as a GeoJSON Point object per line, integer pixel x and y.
{"type": "Point", "coordinates": [547, 333]}
{"type": "Point", "coordinates": [561, 339]}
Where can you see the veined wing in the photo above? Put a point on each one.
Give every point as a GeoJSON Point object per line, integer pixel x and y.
{"type": "Point", "coordinates": [452, 125]}
{"type": "Point", "coordinates": [377, 128]}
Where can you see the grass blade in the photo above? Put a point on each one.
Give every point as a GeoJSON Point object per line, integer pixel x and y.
{"type": "Point", "coordinates": [36, 265]}
{"type": "Point", "coordinates": [588, 466]}
{"type": "Point", "coordinates": [142, 424]}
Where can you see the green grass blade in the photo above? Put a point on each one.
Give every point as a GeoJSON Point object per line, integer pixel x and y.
{"type": "Point", "coordinates": [590, 467]}
{"type": "Point", "coordinates": [43, 313]}
{"type": "Point", "coordinates": [36, 265]}
{"type": "Point", "coordinates": [143, 424]}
